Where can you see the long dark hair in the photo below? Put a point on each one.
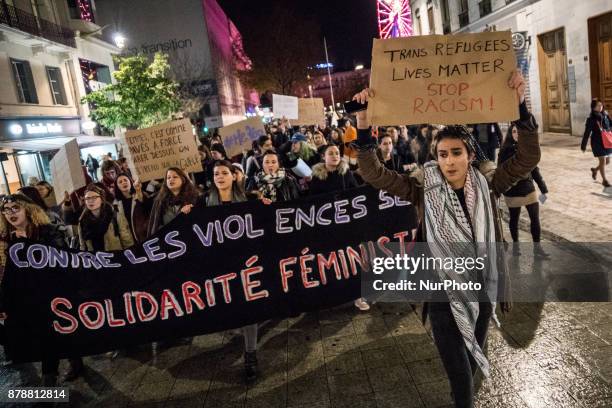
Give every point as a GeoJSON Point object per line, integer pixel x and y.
{"type": "Point", "coordinates": [118, 193]}
{"type": "Point", "coordinates": [238, 193]}
{"type": "Point", "coordinates": [187, 195]}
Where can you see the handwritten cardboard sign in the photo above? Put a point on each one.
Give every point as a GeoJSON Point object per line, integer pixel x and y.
{"type": "Point", "coordinates": [152, 150]}
{"type": "Point", "coordinates": [310, 112]}
{"type": "Point", "coordinates": [66, 170]}
{"type": "Point", "coordinates": [240, 136]}
{"type": "Point", "coordinates": [445, 79]}
{"type": "Point", "coordinates": [284, 105]}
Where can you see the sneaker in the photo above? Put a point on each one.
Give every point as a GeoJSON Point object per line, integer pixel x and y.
{"type": "Point", "coordinates": [362, 305]}
{"type": "Point", "coordinates": [250, 366]}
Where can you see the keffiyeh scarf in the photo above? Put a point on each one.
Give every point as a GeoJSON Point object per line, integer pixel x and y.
{"type": "Point", "coordinates": [449, 232]}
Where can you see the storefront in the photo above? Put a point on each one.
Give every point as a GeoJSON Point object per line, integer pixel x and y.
{"type": "Point", "coordinates": [29, 143]}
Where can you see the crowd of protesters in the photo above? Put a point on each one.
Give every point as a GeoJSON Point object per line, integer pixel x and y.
{"type": "Point", "coordinates": [114, 211]}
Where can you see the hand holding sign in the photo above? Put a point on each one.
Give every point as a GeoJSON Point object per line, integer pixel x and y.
{"type": "Point", "coordinates": [445, 79]}
{"type": "Point", "coordinates": [517, 82]}
{"type": "Point", "coordinates": [362, 98]}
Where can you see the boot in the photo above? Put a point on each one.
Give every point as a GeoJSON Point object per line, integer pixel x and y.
{"type": "Point", "coordinates": [250, 366]}
{"type": "Point", "coordinates": [538, 252]}
{"type": "Point", "coordinates": [49, 380]}
{"type": "Point", "coordinates": [75, 370]}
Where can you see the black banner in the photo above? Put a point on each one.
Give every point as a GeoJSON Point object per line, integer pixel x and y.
{"type": "Point", "coordinates": [214, 269]}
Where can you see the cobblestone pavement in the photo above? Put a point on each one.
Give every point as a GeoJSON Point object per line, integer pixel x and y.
{"type": "Point", "coordinates": [576, 209]}
{"type": "Point", "coordinates": [544, 355]}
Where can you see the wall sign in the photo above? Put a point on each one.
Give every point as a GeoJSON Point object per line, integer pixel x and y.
{"type": "Point", "coordinates": [29, 128]}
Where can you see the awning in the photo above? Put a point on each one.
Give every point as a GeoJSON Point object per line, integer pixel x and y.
{"type": "Point", "coordinates": [55, 143]}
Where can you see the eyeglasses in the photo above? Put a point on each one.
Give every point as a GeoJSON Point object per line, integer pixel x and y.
{"type": "Point", "coordinates": [11, 210]}
{"type": "Point", "coordinates": [92, 198]}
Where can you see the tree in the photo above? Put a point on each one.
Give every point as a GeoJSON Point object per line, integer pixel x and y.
{"type": "Point", "coordinates": [143, 95]}
{"type": "Point", "coordinates": [196, 83]}
{"type": "Point", "coordinates": [284, 50]}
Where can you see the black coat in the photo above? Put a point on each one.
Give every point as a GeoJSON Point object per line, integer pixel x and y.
{"type": "Point", "coordinates": [324, 181]}
{"type": "Point", "coordinates": [593, 131]}
{"type": "Point", "coordinates": [494, 135]}
{"type": "Point", "coordinates": [525, 186]}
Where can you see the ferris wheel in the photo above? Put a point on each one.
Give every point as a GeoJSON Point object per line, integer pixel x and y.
{"type": "Point", "coordinates": [394, 18]}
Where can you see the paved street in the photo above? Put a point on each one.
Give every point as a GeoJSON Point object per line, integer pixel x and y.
{"type": "Point", "coordinates": [576, 210]}
{"type": "Point", "coordinates": [544, 355]}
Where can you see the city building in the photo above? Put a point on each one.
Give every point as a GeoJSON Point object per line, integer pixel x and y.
{"type": "Point", "coordinates": [204, 46]}
{"type": "Point", "coordinates": [344, 84]}
{"type": "Point", "coordinates": [50, 57]}
{"type": "Point", "coordinates": [564, 49]}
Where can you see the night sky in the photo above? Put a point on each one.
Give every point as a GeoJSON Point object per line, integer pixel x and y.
{"type": "Point", "coordinates": [348, 25]}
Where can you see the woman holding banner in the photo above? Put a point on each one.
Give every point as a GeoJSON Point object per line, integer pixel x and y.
{"type": "Point", "coordinates": [101, 227]}
{"type": "Point", "coordinates": [274, 182]}
{"type": "Point", "coordinates": [333, 174]}
{"type": "Point", "coordinates": [456, 204]}
{"type": "Point", "coordinates": [22, 218]}
{"type": "Point", "coordinates": [226, 190]}
{"type": "Point", "coordinates": [133, 204]}
{"type": "Point", "coordinates": [177, 195]}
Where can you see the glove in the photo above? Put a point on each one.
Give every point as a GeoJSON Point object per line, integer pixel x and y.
{"type": "Point", "coordinates": [542, 198]}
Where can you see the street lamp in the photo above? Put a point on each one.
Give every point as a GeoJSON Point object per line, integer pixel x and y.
{"type": "Point", "coordinates": [358, 67]}
{"type": "Point", "coordinates": [119, 40]}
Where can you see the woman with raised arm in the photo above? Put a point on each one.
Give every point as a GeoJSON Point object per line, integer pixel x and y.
{"type": "Point", "coordinates": [456, 204]}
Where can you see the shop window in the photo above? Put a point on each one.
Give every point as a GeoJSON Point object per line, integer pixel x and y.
{"type": "Point", "coordinates": [57, 86]}
{"type": "Point", "coordinates": [26, 91]}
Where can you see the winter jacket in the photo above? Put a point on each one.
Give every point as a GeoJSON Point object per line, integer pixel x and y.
{"type": "Point", "coordinates": [410, 186]}
{"type": "Point", "coordinates": [395, 163]}
{"type": "Point", "coordinates": [117, 237]}
{"type": "Point", "coordinates": [592, 131]}
{"type": "Point", "coordinates": [325, 181]}
{"type": "Point", "coordinates": [138, 216]}
{"type": "Point", "coordinates": [525, 186]}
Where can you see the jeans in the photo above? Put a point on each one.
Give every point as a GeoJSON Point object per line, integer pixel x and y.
{"type": "Point", "coordinates": [459, 364]}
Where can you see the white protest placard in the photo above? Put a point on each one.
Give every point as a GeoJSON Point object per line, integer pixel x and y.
{"type": "Point", "coordinates": [152, 150]}
{"type": "Point", "coordinates": [310, 112]}
{"type": "Point", "coordinates": [444, 79]}
{"type": "Point", "coordinates": [283, 105]}
{"type": "Point", "coordinates": [66, 170]}
{"type": "Point", "coordinates": [240, 136]}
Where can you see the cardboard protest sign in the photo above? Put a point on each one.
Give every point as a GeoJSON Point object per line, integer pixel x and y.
{"type": "Point", "coordinates": [240, 136]}
{"type": "Point", "coordinates": [152, 150]}
{"type": "Point", "coordinates": [283, 105]}
{"type": "Point", "coordinates": [66, 170]}
{"type": "Point", "coordinates": [445, 79]}
{"type": "Point", "coordinates": [310, 112]}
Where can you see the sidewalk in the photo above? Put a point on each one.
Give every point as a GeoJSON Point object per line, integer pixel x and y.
{"type": "Point", "coordinates": [576, 209]}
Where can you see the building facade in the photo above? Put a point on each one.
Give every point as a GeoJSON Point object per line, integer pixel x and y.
{"type": "Point", "coordinates": [46, 49]}
{"type": "Point", "coordinates": [204, 47]}
{"type": "Point", "coordinates": [564, 48]}
{"type": "Point", "coordinates": [344, 84]}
